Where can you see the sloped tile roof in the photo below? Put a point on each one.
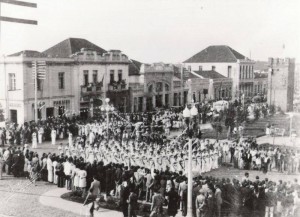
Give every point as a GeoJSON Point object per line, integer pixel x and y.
{"type": "Point", "coordinates": [70, 46]}
{"type": "Point", "coordinates": [209, 74]}
{"type": "Point", "coordinates": [28, 53]}
{"type": "Point", "coordinates": [191, 75]}
{"type": "Point", "coordinates": [134, 67]}
{"type": "Point", "coordinates": [216, 54]}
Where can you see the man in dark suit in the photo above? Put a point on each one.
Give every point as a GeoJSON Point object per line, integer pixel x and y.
{"type": "Point", "coordinates": [118, 179]}
{"type": "Point", "coordinates": [228, 197]}
{"type": "Point", "coordinates": [258, 202]}
{"type": "Point", "coordinates": [157, 204]}
{"type": "Point", "coordinates": [94, 191]}
{"type": "Point", "coordinates": [14, 164]}
{"type": "Point", "coordinates": [132, 203]}
{"type": "Point", "coordinates": [108, 174]}
{"type": "Point", "coordinates": [124, 195]}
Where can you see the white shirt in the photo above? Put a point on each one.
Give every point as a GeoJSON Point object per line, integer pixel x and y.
{"type": "Point", "coordinates": [67, 168]}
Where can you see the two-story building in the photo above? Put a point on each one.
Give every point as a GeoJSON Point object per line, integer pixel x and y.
{"type": "Point", "coordinates": [209, 85]}
{"type": "Point", "coordinates": [227, 62]}
{"type": "Point", "coordinates": [157, 85]}
{"type": "Point", "coordinates": [79, 76]}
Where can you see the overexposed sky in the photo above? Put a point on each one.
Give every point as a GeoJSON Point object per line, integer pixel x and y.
{"type": "Point", "coordinates": [159, 30]}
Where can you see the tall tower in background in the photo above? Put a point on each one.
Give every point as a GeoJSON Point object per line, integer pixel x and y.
{"type": "Point", "coordinates": [297, 87]}
{"type": "Point", "coordinates": [281, 83]}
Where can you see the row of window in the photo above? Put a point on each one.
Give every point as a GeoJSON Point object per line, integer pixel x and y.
{"type": "Point", "coordinates": [222, 93]}
{"type": "Point", "coordinates": [246, 72]}
{"type": "Point", "coordinates": [86, 76]}
{"type": "Point", "coordinates": [12, 81]}
{"type": "Point", "coordinates": [86, 80]}
{"type": "Point", "coordinates": [158, 87]}
{"type": "Point", "coordinates": [112, 75]}
{"type": "Point", "coordinates": [260, 88]}
{"type": "Point", "coordinates": [138, 101]}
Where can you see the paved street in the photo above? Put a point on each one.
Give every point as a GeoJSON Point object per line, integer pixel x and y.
{"type": "Point", "coordinates": [45, 198]}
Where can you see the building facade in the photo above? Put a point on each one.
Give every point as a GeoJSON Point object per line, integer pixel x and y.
{"type": "Point", "coordinates": [229, 63]}
{"type": "Point", "coordinates": [281, 83]}
{"type": "Point", "coordinates": [260, 84]}
{"type": "Point", "coordinates": [157, 86]}
{"type": "Point", "coordinates": [209, 85]}
{"type": "Point", "coordinates": [79, 76]}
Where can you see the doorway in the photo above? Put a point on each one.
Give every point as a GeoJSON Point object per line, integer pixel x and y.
{"type": "Point", "coordinates": [49, 112]}
{"type": "Point", "coordinates": [14, 116]}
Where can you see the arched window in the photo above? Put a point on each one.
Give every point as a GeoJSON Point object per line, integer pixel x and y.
{"type": "Point", "coordinates": [158, 87]}
{"type": "Point", "coordinates": [167, 87]}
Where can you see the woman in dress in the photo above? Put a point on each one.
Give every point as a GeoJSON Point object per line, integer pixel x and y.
{"type": "Point", "coordinates": [54, 160]}
{"type": "Point", "coordinates": [82, 180]}
{"type": "Point", "coordinates": [34, 140]}
{"type": "Point", "coordinates": [40, 135]}
{"type": "Point", "coordinates": [75, 176]}
{"type": "Point", "coordinates": [50, 168]}
{"type": "Point", "coordinates": [53, 136]}
{"type": "Point", "coordinates": [70, 139]}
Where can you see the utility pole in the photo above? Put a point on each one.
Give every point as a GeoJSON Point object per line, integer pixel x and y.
{"type": "Point", "coordinates": [38, 73]}
{"type": "Point", "coordinates": [34, 67]}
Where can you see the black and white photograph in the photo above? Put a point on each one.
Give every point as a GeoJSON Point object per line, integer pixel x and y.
{"type": "Point", "coordinates": [150, 108]}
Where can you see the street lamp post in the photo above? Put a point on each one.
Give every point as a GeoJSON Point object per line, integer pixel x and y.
{"type": "Point", "coordinates": [107, 108]}
{"type": "Point", "coordinates": [190, 116]}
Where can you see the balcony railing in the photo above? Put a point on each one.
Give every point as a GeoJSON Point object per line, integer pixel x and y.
{"type": "Point", "coordinates": [91, 89]}
{"type": "Point", "coordinates": [117, 86]}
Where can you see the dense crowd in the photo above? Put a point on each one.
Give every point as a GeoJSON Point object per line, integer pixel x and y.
{"type": "Point", "coordinates": [134, 159]}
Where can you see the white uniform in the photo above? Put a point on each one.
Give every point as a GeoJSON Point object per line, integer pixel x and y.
{"type": "Point", "coordinates": [70, 139]}
{"type": "Point", "coordinates": [40, 135]}
{"type": "Point", "coordinates": [50, 170]}
{"type": "Point", "coordinates": [34, 140]}
{"type": "Point", "coordinates": [53, 137]}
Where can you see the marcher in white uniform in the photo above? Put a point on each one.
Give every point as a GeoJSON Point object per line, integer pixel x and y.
{"type": "Point", "coordinates": [40, 135]}
{"type": "Point", "coordinates": [70, 139]}
{"type": "Point", "coordinates": [50, 169]}
{"type": "Point", "coordinates": [53, 136]}
{"type": "Point", "coordinates": [34, 140]}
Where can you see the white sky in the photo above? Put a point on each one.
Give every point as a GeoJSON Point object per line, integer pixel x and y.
{"type": "Point", "coordinates": [160, 30]}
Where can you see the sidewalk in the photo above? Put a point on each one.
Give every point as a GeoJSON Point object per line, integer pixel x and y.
{"type": "Point", "coordinates": [52, 199]}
